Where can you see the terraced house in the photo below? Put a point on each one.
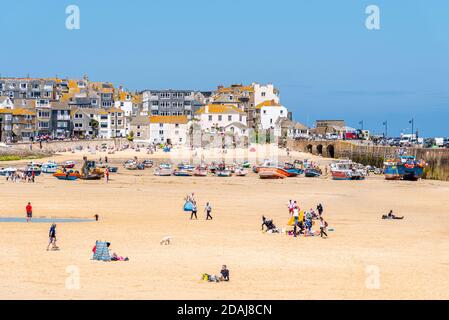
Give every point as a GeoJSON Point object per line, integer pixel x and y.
{"type": "Point", "coordinates": [16, 124]}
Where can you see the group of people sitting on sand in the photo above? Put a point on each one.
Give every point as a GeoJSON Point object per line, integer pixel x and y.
{"type": "Point", "coordinates": [114, 256]}
{"type": "Point", "coordinates": [304, 226]}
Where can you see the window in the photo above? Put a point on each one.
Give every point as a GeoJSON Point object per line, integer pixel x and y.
{"type": "Point", "coordinates": [282, 111]}
{"type": "Point", "coordinates": [210, 118]}
{"type": "Point", "coordinates": [119, 122]}
{"type": "Point", "coordinates": [177, 125]}
{"type": "Point", "coordinates": [161, 132]}
{"type": "Point", "coordinates": [265, 112]}
{"type": "Point", "coordinates": [271, 121]}
{"type": "Point", "coordinates": [62, 124]}
{"type": "Point", "coordinates": [161, 125]}
{"type": "Point", "coordinates": [44, 125]}
{"type": "Point", "coordinates": [119, 114]}
{"type": "Point", "coordinates": [138, 133]}
{"type": "Point", "coordinates": [241, 118]}
{"type": "Point", "coordinates": [78, 116]}
{"type": "Point", "coordinates": [23, 86]}
{"type": "Point", "coordinates": [138, 127]}
{"type": "Point", "coordinates": [263, 94]}
{"type": "Point", "coordinates": [229, 118]}
{"type": "Point", "coordinates": [122, 104]}
{"type": "Point", "coordinates": [220, 117]}
{"type": "Point", "coordinates": [94, 102]}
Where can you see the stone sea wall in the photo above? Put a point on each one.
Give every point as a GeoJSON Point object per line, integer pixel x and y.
{"type": "Point", "coordinates": [437, 159]}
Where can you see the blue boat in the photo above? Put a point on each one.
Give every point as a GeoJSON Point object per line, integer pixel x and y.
{"type": "Point", "coordinates": [312, 173]}
{"type": "Point", "coordinates": [404, 168]}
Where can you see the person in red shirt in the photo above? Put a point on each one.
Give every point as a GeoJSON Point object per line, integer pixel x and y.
{"type": "Point", "coordinates": [29, 210]}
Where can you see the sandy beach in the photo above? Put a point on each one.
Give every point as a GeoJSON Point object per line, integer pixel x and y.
{"type": "Point", "coordinates": [137, 209]}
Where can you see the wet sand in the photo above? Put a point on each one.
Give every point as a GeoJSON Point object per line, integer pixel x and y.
{"type": "Point", "coordinates": [137, 209]}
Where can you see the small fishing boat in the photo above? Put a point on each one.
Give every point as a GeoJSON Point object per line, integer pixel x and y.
{"type": "Point", "coordinates": [147, 163]}
{"type": "Point", "coordinates": [200, 171]}
{"type": "Point", "coordinates": [163, 172]}
{"type": "Point", "coordinates": [140, 166]}
{"type": "Point", "coordinates": [187, 167]}
{"type": "Point", "coordinates": [270, 173]}
{"type": "Point", "coordinates": [69, 164]}
{"type": "Point", "coordinates": [223, 173]}
{"type": "Point", "coordinates": [90, 177]}
{"type": "Point", "coordinates": [240, 172]}
{"type": "Point", "coordinates": [346, 170]}
{"type": "Point", "coordinates": [130, 165]}
{"type": "Point", "coordinates": [68, 175]}
{"type": "Point", "coordinates": [312, 172]}
{"type": "Point", "coordinates": [165, 166]}
{"type": "Point", "coordinates": [49, 167]}
{"type": "Point", "coordinates": [292, 169]}
{"type": "Point", "coordinates": [182, 173]}
{"type": "Point", "coordinates": [7, 171]}
{"type": "Point", "coordinates": [246, 165]}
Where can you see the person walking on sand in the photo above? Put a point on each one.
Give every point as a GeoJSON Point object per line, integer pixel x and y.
{"type": "Point", "coordinates": [323, 227]}
{"type": "Point", "coordinates": [320, 209]}
{"type": "Point", "coordinates": [290, 207]}
{"type": "Point", "coordinates": [194, 210]}
{"type": "Point", "coordinates": [29, 211]}
{"type": "Point", "coordinates": [208, 210]}
{"type": "Point", "coordinates": [106, 175]}
{"type": "Point", "coordinates": [296, 219]}
{"type": "Point", "coordinates": [52, 237]}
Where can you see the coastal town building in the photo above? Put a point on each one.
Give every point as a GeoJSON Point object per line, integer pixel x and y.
{"type": "Point", "coordinates": [169, 129]}
{"type": "Point", "coordinates": [140, 129]}
{"type": "Point", "coordinates": [268, 112]}
{"type": "Point", "coordinates": [169, 102]}
{"type": "Point", "coordinates": [215, 118]}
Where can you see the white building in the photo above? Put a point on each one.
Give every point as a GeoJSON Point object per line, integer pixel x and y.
{"type": "Point", "coordinates": [169, 129]}
{"type": "Point", "coordinates": [125, 102]}
{"type": "Point", "coordinates": [265, 93]}
{"type": "Point", "coordinates": [268, 112]}
{"type": "Point", "coordinates": [216, 117]}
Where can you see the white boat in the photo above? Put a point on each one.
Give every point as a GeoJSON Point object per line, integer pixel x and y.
{"type": "Point", "coordinates": [7, 171]}
{"type": "Point", "coordinates": [240, 172]}
{"type": "Point", "coordinates": [347, 170]}
{"type": "Point", "coordinates": [49, 167]}
{"type": "Point", "coordinates": [130, 165]}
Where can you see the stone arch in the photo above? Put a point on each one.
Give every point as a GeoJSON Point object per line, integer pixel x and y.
{"type": "Point", "coordinates": [309, 148]}
{"type": "Point", "coordinates": [330, 151]}
{"type": "Point", "coordinates": [319, 149]}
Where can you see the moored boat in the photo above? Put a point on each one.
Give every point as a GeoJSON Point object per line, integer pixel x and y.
{"type": "Point", "coordinates": [163, 172]}
{"type": "Point", "coordinates": [312, 172]}
{"type": "Point", "coordinates": [182, 173]}
{"type": "Point", "coordinates": [49, 167]}
{"type": "Point", "coordinates": [241, 172]}
{"type": "Point", "coordinates": [68, 175]}
{"type": "Point", "coordinates": [270, 173]}
{"type": "Point", "coordinates": [223, 173]}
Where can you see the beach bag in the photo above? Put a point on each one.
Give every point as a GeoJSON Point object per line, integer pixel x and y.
{"type": "Point", "coordinates": [188, 206]}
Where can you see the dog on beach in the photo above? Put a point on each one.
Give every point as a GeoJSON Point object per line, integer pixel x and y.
{"type": "Point", "coordinates": [166, 240]}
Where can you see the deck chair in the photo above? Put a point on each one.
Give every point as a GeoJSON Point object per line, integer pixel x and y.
{"type": "Point", "coordinates": [102, 251]}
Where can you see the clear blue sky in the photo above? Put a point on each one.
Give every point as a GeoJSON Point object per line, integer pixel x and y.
{"type": "Point", "coordinates": [318, 53]}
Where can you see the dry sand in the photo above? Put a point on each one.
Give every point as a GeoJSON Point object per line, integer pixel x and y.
{"type": "Point", "coordinates": [137, 209]}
